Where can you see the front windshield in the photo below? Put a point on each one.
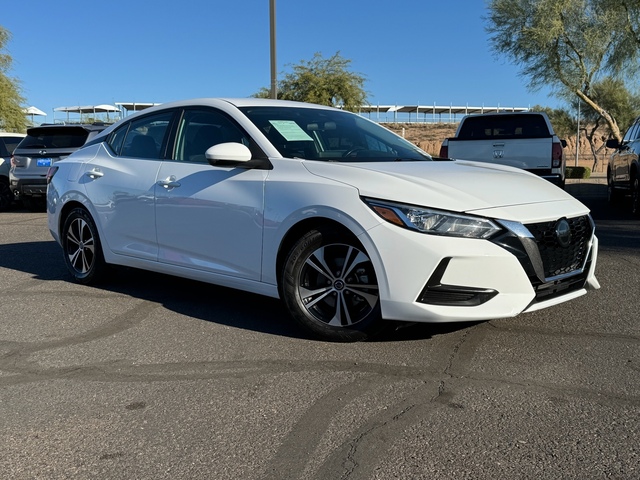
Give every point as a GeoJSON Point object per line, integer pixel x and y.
{"type": "Point", "coordinates": [330, 135]}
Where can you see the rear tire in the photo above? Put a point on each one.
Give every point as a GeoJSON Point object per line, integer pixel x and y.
{"type": "Point", "coordinates": [331, 288]}
{"type": "Point", "coordinates": [82, 248]}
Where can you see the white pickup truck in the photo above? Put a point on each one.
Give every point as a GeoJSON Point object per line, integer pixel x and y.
{"type": "Point", "coordinates": [520, 139]}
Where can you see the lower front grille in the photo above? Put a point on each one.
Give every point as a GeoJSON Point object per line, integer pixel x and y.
{"type": "Point", "coordinates": [559, 259]}
{"type": "Point", "coordinates": [555, 255]}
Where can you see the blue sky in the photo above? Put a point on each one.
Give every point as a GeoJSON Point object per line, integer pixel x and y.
{"type": "Point", "coordinates": [411, 51]}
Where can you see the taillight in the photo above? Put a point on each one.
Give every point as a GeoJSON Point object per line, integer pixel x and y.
{"type": "Point", "coordinates": [444, 151]}
{"type": "Point", "coordinates": [556, 154]}
{"type": "Point", "coordinates": [50, 173]}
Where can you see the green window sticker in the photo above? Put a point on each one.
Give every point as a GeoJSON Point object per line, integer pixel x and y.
{"type": "Point", "coordinates": [290, 130]}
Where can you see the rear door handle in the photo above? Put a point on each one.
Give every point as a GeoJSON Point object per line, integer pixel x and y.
{"type": "Point", "coordinates": [169, 183]}
{"type": "Point", "coordinates": [95, 173]}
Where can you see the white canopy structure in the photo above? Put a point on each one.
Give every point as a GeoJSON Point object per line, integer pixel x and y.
{"type": "Point", "coordinates": [32, 111]}
{"type": "Point", "coordinates": [135, 106]}
{"type": "Point", "coordinates": [435, 112]}
{"type": "Point", "coordinates": [88, 109]}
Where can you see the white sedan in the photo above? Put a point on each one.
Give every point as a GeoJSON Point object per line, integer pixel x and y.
{"type": "Point", "coordinates": [346, 222]}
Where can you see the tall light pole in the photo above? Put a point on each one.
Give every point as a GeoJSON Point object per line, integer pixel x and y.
{"type": "Point", "coordinates": [274, 75]}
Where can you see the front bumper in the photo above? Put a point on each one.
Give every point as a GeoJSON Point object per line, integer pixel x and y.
{"type": "Point", "coordinates": [429, 278]}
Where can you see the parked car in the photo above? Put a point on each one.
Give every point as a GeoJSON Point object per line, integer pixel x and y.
{"type": "Point", "coordinates": [623, 171]}
{"type": "Point", "coordinates": [39, 149]}
{"type": "Point", "coordinates": [8, 143]}
{"type": "Point", "coordinates": [348, 223]}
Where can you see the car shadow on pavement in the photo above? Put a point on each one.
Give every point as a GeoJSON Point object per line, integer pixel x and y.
{"type": "Point", "coordinates": [234, 308]}
{"type": "Point", "coordinates": [211, 303]}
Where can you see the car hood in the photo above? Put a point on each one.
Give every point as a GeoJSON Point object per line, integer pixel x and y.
{"type": "Point", "coordinates": [490, 190]}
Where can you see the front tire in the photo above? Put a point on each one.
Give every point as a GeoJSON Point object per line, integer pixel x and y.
{"type": "Point", "coordinates": [82, 248]}
{"type": "Point", "coordinates": [330, 287]}
{"type": "Point", "coordinates": [635, 196]}
{"type": "Point", "coordinates": [614, 195]}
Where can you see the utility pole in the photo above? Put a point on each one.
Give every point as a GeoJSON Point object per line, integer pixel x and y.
{"type": "Point", "coordinates": [274, 75]}
{"type": "Point", "coordinates": [578, 134]}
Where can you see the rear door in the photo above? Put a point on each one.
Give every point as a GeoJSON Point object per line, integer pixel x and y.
{"type": "Point", "coordinates": [121, 184]}
{"type": "Point", "coordinates": [622, 158]}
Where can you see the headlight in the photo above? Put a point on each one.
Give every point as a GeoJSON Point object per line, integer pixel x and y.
{"type": "Point", "coordinates": [435, 222]}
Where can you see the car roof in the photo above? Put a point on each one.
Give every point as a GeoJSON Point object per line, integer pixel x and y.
{"type": "Point", "coordinates": [9, 134]}
{"type": "Point", "coordinates": [219, 102]}
{"type": "Point", "coordinates": [90, 127]}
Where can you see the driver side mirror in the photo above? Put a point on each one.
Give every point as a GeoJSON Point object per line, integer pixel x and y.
{"type": "Point", "coordinates": [230, 152]}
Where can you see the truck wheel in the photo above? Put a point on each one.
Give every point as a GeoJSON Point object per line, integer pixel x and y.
{"type": "Point", "coordinates": [34, 204]}
{"type": "Point", "coordinates": [6, 197]}
{"type": "Point", "coordinates": [82, 248]}
{"type": "Point", "coordinates": [614, 195]}
{"type": "Point", "coordinates": [330, 287]}
{"type": "Point", "coordinates": [635, 196]}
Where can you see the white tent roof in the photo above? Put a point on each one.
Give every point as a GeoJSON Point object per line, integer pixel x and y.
{"type": "Point", "coordinates": [135, 106]}
{"type": "Point", "coordinates": [88, 109]}
{"type": "Point", "coordinates": [33, 111]}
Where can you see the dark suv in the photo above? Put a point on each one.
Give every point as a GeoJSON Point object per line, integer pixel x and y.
{"type": "Point", "coordinates": [623, 172]}
{"type": "Point", "coordinates": [41, 148]}
{"type": "Point", "coordinates": [8, 143]}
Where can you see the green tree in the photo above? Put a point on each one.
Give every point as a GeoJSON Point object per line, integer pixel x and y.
{"type": "Point", "coordinates": [612, 95]}
{"type": "Point", "coordinates": [565, 44]}
{"type": "Point", "coordinates": [324, 81]}
{"type": "Point", "coordinates": [12, 117]}
{"type": "Point", "coordinates": [564, 124]}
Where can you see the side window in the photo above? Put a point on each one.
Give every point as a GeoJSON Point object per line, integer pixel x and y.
{"type": "Point", "coordinates": [116, 139]}
{"type": "Point", "coordinates": [145, 136]}
{"type": "Point", "coordinates": [631, 134]}
{"type": "Point", "coordinates": [200, 129]}
{"type": "Point", "coordinates": [635, 134]}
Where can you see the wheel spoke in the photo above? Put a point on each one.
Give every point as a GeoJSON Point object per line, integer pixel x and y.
{"type": "Point", "coordinates": [80, 245]}
{"type": "Point", "coordinates": [321, 267]}
{"type": "Point", "coordinates": [337, 285]}
{"type": "Point", "coordinates": [311, 297]}
{"type": "Point", "coordinates": [353, 262]}
{"type": "Point", "coordinates": [341, 318]}
{"type": "Point", "coordinates": [357, 289]}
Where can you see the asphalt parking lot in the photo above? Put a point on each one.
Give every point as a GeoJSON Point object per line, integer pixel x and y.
{"type": "Point", "coordinates": [152, 377]}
